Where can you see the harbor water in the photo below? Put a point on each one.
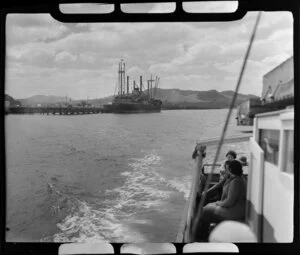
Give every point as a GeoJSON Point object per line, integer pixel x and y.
{"type": "Point", "coordinates": [105, 177]}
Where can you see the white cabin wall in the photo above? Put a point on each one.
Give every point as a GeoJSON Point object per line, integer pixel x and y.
{"type": "Point", "coordinates": [254, 188]}
{"type": "Point", "coordinates": [278, 206]}
{"type": "Point", "coordinates": [278, 185]}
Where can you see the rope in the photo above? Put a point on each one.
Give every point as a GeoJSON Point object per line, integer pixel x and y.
{"type": "Point", "coordinates": [230, 111]}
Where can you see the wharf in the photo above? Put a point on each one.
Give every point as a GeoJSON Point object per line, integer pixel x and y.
{"type": "Point", "coordinates": [54, 110]}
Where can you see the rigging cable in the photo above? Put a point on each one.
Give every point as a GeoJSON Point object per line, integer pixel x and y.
{"type": "Point", "coordinates": [229, 114]}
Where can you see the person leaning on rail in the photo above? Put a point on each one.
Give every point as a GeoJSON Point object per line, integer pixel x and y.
{"type": "Point", "coordinates": [231, 206]}
{"type": "Point", "coordinates": [214, 193]}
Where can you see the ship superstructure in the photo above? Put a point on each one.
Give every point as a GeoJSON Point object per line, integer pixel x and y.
{"type": "Point", "coordinates": [139, 100]}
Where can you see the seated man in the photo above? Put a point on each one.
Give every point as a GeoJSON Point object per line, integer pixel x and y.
{"type": "Point", "coordinates": [231, 206]}
{"type": "Point", "coordinates": [215, 192]}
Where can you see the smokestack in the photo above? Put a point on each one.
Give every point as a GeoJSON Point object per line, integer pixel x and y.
{"type": "Point", "coordinates": [141, 83]}
{"type": "Point", "coordinates": [148, 89]}
{"type": "Point", "coordinates": [151, 87]}
{"type": "Point", "coordinates": [119, 77]}
{"type": "Point", "coordinates": [124, 78]}
{"type": "Point", "coordinates": [127, 84]}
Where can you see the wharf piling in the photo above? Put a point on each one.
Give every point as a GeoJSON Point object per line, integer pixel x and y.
{"type": "Point", "coordinates": [55, 110]}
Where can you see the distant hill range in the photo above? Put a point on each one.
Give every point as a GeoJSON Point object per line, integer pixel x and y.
{"type": "Point", "coordinates": [171, 98]}
{"type": "Point", "coordinates": [43, 100]}
{"type": "Point", "coordinates": [191, 99]}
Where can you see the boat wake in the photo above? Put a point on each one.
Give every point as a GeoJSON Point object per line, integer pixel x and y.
{"type": "Point", "coordinates": [111, 219]}
{"type": "Point", "coordinates": [87, 222]}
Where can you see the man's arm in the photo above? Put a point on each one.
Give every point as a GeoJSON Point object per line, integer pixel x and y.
{"type": "Point", "coordinates": [233, 192]}
{"type": "Point", "coordinates": [216, 186]}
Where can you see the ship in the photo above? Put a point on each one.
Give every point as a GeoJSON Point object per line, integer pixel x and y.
{"type": "Point", "coordinates": [277, 93]}
{"type": "Point", "coordinates": [139, 100]}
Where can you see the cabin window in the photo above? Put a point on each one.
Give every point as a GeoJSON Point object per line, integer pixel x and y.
{"type": "Point", "coordinates": [269, 142]}
{"type": "Point", "coordinates": [288, 152]}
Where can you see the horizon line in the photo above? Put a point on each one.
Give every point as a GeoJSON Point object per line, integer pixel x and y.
{"type": "Point", "coordinates": [67, 97]}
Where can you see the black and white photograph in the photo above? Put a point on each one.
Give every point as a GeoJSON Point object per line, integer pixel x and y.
{"type": "Point", "coordinates": [149, 132]}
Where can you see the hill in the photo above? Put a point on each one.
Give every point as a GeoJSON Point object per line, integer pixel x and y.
{"type": "Point", "coordinates": [171, 98]}
{"type": "Point", "coordinates": [210, 99]}
{"type": "Point", "coordinates": [240, 96]}
{"type": "Point", "coordinates": [41, 99]}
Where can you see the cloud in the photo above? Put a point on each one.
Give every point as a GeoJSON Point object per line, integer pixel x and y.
{"type": "Point", "coordinates": [46, 55]}
{"type": "Point", "coordinates": [148, 8]}
{"type": "Point", "coordinates": [209, 7]}
{"type": "Point", "coordinates": [28, 28]}
{"type": "Point", "coordinates": [163, 8]}
{"type": "Point", "coordinates": [87, 58]}
{"type": "Point", "coordinates": [135, 71]}
{"type": "Point", "coordinates": [86, 8]}
{"type": "Point", "coordinates": [64, 57]}
{"type": "Point", "coordinates": [272, 61]}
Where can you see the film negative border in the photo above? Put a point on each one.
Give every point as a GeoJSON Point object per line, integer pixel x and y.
{"type": "Point", "coordinates": [178, 16]}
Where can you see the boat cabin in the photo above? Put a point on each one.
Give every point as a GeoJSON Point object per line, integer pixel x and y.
{"type": "Point", "coordinates": [270, 184]}
{"type": "Point", "coordinates": [270, 187]}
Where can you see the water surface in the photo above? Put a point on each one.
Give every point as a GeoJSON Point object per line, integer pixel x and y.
{"type": "Point", "coordinates": [113, 177]}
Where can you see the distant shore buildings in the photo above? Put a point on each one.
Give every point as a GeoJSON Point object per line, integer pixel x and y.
{"type": "Point", "coordinates": [277, 93]}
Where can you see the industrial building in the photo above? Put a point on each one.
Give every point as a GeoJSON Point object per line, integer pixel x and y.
{"type": "Point", "coordinates": [277, 93]}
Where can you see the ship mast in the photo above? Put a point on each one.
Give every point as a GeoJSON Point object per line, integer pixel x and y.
{"type": "Point", "coordinates": [121, 74]}
{"type": "Point", "coordinates": [155, 86]}
{"type": "Point", "coordinates": [119, 79]}
{"type": "Point", "coordinates": [141, 83]}
{"type": "Point", "coordinates": [123, 81]}
{"type": "Point", "coordinates": [150, 81]}
{"type": "Point", "coordinates": [127, 85]}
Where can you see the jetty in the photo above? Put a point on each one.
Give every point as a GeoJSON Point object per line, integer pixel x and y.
{"type": "Point", "coordinates": [54, 110]}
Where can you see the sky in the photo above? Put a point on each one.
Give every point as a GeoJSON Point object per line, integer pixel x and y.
{"type": "Point", "coordinates": [80, 60]}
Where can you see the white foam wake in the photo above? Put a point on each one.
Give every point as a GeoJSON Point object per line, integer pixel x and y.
{"type": "Point", "coordinates": [87, 223]}
{"type": "Point", "coordinates": [182, 185]}
{"type": "Point", "coordinates": [144, 189]}
{"type": "Point", "coordinates": [140, 190]}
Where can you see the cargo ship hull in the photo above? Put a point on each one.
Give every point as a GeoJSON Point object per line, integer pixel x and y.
{"type": "Point", "coordinates": [131, 108]}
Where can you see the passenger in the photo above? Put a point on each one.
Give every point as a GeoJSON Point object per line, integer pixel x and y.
{"type": "Point", "coordinates": [215, 192]}
{"type": "Point", "coordinates": [231, 155]}
{"type": "Point", "coordinates": [231, 206]}
{"type": "Point", "coordinates": [217, 188]}
{"type": "Point", "coordinates": [243, 160]}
